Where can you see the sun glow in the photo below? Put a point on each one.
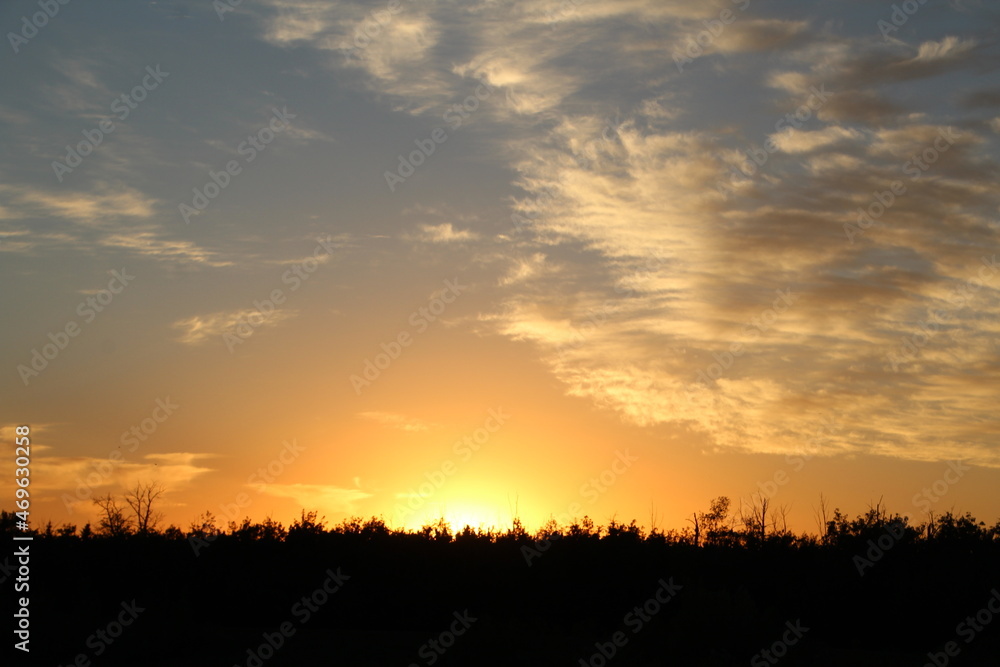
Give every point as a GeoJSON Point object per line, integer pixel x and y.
{"type": "Point", "coordinates": [458, 515]}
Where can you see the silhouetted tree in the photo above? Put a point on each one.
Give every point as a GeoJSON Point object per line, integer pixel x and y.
{"type": "Point", "coordinates": [140, 500]}
{"type": "Point", "coordinates": [697, 527]}
{"type": "Point", "coordinates": [713, 522]}
{"type": "Point", "coordinates": [754, 517]}
{"type": "Point", "coordinates": [173, 533]}
{"type": "Point", "coordinates": [112, 522]}
{"type": "Point", "coordinates": [204, 526]}
{"type": "Point", "coordinates": [66, 530]}
{"type": "Point", "coordinates": [438, 531]}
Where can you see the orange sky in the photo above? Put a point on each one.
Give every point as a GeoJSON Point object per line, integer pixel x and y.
{"type": "Point", "coordinates": [305, 265]}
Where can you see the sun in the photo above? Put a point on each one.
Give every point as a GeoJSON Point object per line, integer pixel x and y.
{"type": "Point", "coordinates": [459, 514]}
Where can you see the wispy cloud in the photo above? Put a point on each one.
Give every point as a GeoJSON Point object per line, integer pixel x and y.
{"type": "Point", "coordinates": [99, 206]}
{"type": "Point", "coordinates": [199, 329]}
{"type": "Point", "coordinates": [445, 233]}
{"type": "Point", "coordinates": [63, 476]}
{"type": "Point", "coordinates": [319, 496]}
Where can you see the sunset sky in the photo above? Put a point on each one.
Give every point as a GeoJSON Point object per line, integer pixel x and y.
{"type": "Point", "coordinates": [477, 258]}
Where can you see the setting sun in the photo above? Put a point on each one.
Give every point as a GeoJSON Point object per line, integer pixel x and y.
{"type": "Point", "coordinates": [312, 275]}
{"type": "Point", "coordinates": [458, 515]}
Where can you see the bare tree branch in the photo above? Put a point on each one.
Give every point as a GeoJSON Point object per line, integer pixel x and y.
{"type": "Point", "coordinates": [140, 500]}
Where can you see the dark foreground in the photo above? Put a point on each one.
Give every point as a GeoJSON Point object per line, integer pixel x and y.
{"type": "Point", "coordinates": [882, 594]}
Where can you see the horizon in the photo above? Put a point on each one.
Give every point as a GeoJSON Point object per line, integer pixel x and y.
{"type": "Point", "coordinates": [478, 261]}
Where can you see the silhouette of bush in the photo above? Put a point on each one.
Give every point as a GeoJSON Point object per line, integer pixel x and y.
{"type": "Point", "coordinates": [406, 584]}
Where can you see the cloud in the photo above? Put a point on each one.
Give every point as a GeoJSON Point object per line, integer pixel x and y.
{"type": "Point", "coordinates": [9, 431]}
{"type": "Point", "coordinates": [950, 47]}
{"type": "Point", "coordinates": [444, 233]}
{"type": "Point", "coordinates": [198, 329]}
{"type": "Point", "coordinates": [661, 241]}
{"type": "Point", "coordinates": [524, 269]}
{"type": "Point", "coordinates": [178, 458]}
{"type": "Point", "coordinates": [751, 35]}
{"type": "Point", "coordinates": [149, 244]}
{"type": "Point", "coordinates": [792, 140]}
{"type": "Point", "coordinates": [105, 202]}
{"type": "Point", "coordinates": [319, 496]}
{"type": "Point", "coordinates": [75, 481]}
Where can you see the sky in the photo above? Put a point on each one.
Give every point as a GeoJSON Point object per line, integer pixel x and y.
{"type": "Point", "coordinates": [489, 259]}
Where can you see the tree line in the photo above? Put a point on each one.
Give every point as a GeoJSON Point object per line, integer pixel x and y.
{"type": "Point", "coordinates": [754, 523]}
